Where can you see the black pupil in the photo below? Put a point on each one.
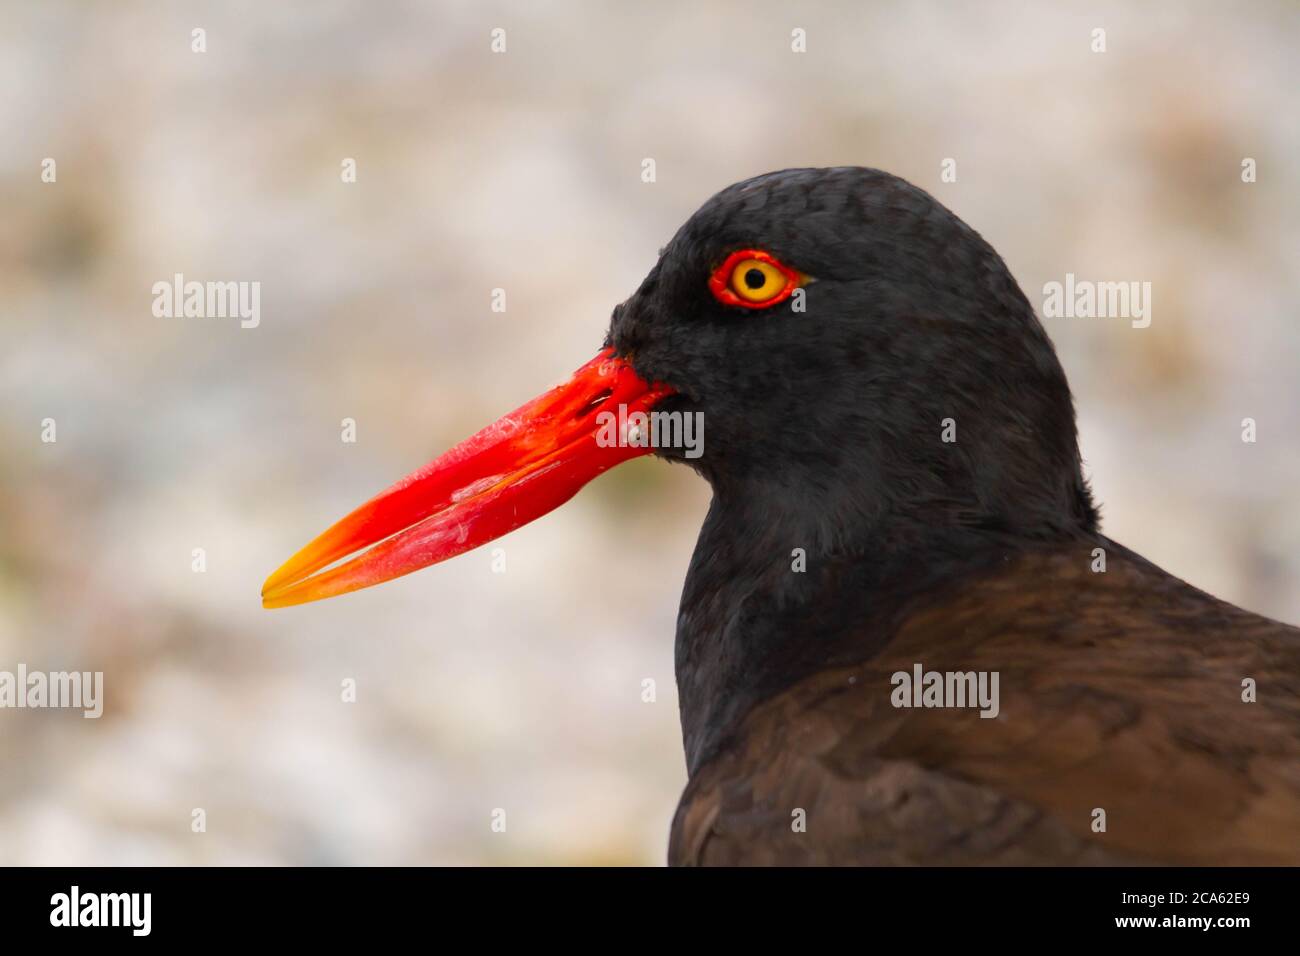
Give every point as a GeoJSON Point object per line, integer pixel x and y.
{"type": "Point", "coordinates": [755, 279]}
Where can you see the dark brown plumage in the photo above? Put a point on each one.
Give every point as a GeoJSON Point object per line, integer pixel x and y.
{"type": "Point", "coordinates": [1120, 690]}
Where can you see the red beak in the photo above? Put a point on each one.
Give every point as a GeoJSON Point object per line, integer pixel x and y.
{"type": "Point", "coordinates": [512, 472]}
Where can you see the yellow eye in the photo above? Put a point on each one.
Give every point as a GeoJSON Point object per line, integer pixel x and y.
{"type": "Point", "coordinates": [756, 281]}
{"type": "Point", "coordinates": [753, 279]}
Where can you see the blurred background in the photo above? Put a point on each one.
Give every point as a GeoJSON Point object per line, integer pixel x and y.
{"type": "Point", "coordinates": [521, 170]}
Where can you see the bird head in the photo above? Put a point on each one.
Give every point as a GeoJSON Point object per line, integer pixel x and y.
{"type": "Point", "coordinates": [834, 339]}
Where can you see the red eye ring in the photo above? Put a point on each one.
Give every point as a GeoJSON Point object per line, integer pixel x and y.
{"type": "Point", "coordinates": [720, 283]}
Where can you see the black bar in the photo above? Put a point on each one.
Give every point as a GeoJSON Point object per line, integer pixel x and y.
{"type": "Point", "coordinates": [332, 906]}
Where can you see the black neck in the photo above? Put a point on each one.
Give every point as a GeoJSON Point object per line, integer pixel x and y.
{"type": "Point", "coordinates": [751, 625]}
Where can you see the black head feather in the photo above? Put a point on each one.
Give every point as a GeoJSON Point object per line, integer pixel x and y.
{"type": "Point", "coordinates": [911, 319]}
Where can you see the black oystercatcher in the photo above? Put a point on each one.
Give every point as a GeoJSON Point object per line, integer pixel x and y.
{"type": "Point", "coordinates": [902, 638]}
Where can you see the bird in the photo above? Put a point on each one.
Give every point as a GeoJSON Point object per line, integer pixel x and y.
{"type": "Point", "coordinates": [897, 492]}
